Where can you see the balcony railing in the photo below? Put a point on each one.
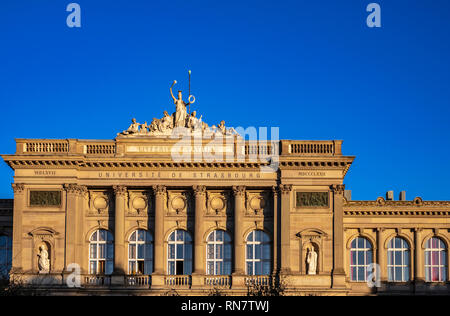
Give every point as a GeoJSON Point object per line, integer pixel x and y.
{"type": "Point", "coordinates": [97, 280]}
{"type": "Point", "coordinates": [178, 280]}
{"type": "Point", "coordinates": [248, 148]}
{"type": "Point", "coordinates": [138, 280]}
{"type": "Point", "coordinates": [218, 280]}
{"type": "Point", "coordinates": [258, 280]}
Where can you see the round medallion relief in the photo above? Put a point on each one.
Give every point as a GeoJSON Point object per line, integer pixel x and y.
{"type": "Point", "coordinates": [257, 203]}
{"type": "Point", "coordinates": [139, 203]}
{"type": "Point", "coordinates": [217, 203]}
{"type": "Point", "coordinates": [178, 203]}
{"type": "Point", "coordinates": [100, 203]}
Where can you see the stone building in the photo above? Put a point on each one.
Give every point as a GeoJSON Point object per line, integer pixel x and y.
{"type": "Point", "coordinates": [150, 213]}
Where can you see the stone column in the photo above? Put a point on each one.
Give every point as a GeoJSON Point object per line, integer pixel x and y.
{"type": "Point", "coordinates": [160, 193]}
{"type": "Point", "coordinates": [19, 205]}
{"type": "Point", "coordinates": [275, 229]}
{"type": "Point", "coordinates": [338, 235]}
{"type": "Point", "coordinates": [381, 255]}
{"type": "Point", "coordinates": [199, 251]}
{"type": "Point", "coordinates": [73, 192]}
{"type": "Point", "coordinates": [418, 257]}
{"type": "Point", "coordinates": [239, 252]}
{"type": "Point", "coordinates": [119, 230]}
{"type": "Point", "coordinates": [285, 222]}
{"type": "Point", "coordinates": [79, 244]}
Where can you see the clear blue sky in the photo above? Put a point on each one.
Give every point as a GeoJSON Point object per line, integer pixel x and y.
{"type": "Point", "coordinates": [313, 68]}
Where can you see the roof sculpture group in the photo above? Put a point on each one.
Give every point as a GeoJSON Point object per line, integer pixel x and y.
{"type": "Point", "coordinates": [180, 119]}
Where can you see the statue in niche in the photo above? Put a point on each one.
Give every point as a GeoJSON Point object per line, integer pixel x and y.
{"type": "Point", "coordinates": [43, 262]}
{"type": "Point", "coordinates": [311, 260]}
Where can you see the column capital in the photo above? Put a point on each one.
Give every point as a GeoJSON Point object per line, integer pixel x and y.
{"type": "Point", "coordinates": [338, 188]}
{"type": "Point", "coordinates": [285, 188]}
{"type": "Point", "coordinates": [72, 188]}
{"type": "Point", "coordinates": [159, 189]}
{"type": "Point", "coordinates": [18, 187]}
{"type": "Point", "coordinates": [238, 190]}
{"type": "Point", "coordinates": [275, 190]}
{"type": "Point", "coordinates": [120, 190]}
{"type": "Point", "coordinates": [199, 190]}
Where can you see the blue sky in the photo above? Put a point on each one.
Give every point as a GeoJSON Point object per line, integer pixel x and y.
{"type": "Point", "coordinates": [312, 68]}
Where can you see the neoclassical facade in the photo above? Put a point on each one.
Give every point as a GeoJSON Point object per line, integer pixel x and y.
{"type": "Point", "coordinates": [133, 215]}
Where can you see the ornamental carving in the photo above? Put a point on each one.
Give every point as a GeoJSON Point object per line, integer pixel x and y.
{"type": "Point", "coordinates": [120, 190]}
{"type": "Point", "coordinates": [238, 190]}
{"type": "Point", "coordinates": [285, 188]}
{"type": "Point", "coordinates": [100, 203]}
{"type": "Point", "coordinates": [159, 190]}
{"type": "Point", "coordinates": [18, 187]}
{"type": "Point", "coordinates": [257, 203]}
{"type": "Point", "coordinates": [199, 190]}
{"type": "Point", "coordinates": [45, 198]}
{"type": "Point", "coordinates": [338, 188]}
{"type": "Point", "coordinates": [218, 203]}
{"type": "Point", "coordinates": [75, 189]}
{"type": "Point", "coordinates": [179, 202]}
{"type": "Point", "coordinates": [312, 199]}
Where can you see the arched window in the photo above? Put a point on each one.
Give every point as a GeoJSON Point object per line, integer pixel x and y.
{"type": "Point", "coordinates": [140, 252]}
{"type": "Point", "coordinates": [179, 256]}
{"type": "Point", "coordinates": [360, 258]}
{"type": "Point", "coordinates": [258, 253]}
{"type": "Point", "coordinates": [435, 260]}
{"type": "Point", "coordinates": [218, 253]}
{"type": "Point", "coordinates": [5, 255]}
{"type": "Point", "coordinates": [101, 252]}
{"type": "Point", "coordinates": [398, 260]}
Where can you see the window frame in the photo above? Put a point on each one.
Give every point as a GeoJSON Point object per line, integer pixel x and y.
{"type": "Point", "coordinates": [254, 261]}
{"type": "Point", "coordinates": [187, 262]}
{"type": "Point", "coordinates": [392, 265]}
{"type": "Point", "coordinates": [147, 259]}
{"type": "Point", "coordinates": [108, 259]}
{"type": "Point", "coordinates": [225, 242]}
{"type": "Point", "coordinates": [357, 266]}
{"type": "Point", "coordinates": [442, 277]}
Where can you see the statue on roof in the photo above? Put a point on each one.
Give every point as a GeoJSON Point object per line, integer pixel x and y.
{"type": "Point", "coordinates": [181, 118]}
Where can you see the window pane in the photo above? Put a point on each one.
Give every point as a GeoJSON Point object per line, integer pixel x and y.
{"type": "Point", "coordinates": [132, 251]}
{"type": "Point", "coordinates": [180, 254]}
{"type": "Point", "coordinates": [140, 253]}
{"type": "Point", "coordinates": [188, 251]}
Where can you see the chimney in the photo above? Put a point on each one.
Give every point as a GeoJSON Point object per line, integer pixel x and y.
{"type": "Point", "coordinates": [402, 196]}
{"type": "Point", "coordinates": [348, 195]}
{"type": "Point", "coordinates": [389, 195]}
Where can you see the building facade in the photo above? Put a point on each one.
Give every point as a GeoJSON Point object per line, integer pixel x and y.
{"type": "Point", "coordinates": [152, 213]}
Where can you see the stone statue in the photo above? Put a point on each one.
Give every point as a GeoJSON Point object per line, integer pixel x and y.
{"type": "Point", "coordinates": [164, 126]}
{"type": "Point", "coordinates": [44, 262]}
{"type": "Point", "coordinates": [133, 129]}
{"type": "Point", "coordinates": [311, 259]}
{"type": "Point", "coordinates": [166, 122]}
{"type": "Point", "coordinates": [181, 112]}
{"type": "Point", "coordinates": [193, 122]}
